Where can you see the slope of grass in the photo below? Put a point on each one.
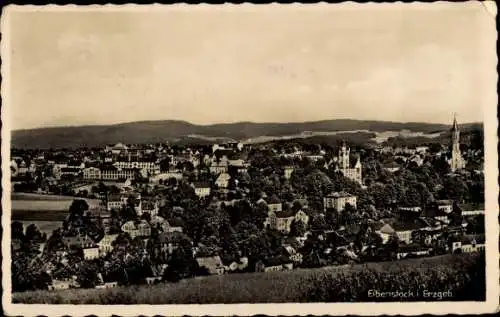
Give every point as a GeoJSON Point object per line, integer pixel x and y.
{"type": "Point", "coordinates": [462, 274]}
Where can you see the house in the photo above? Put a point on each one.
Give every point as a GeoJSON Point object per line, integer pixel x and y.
{"type": "Point", "coordinates": [219, 166]}
{"type": "Point", "coordinates": [152, 168]}
{"type": "Point", "coordinates": [148, 206]}
{"type": "Point", "coordinates": [302, 216]}
{"type": "Point", "coordinates": [412, 250]}
{"type": "Point", "coordinates": [222, 180]}
{"type": "Point", "coordinates": [106, 244]}
{"type": "Point", "coordinates": [288, 171]}
{"type": "Point", "coordinates": [233, 265]}
{"type": "Point", "coordinates": [63, 284]}
{"type": "Point", "coordinates": [140, 229]}
{"type": "Point", "coordinates": [91, 252]}
{"type": "Point", "coordinates": [392, 167]}
{"type": "Point", "coordinates": [417, 159]}
{"type": "Point", "coordinates": [78, 242]}
{"type": "Point", "coordinates": [156, 274]}
{"type": "Point", "coordinates": [274, 204]}
{"type": "Point", "coordinates": [279, 220]}
{"type": "Point", "coordinates": [274, 264]}
{"type": "Point", "coordinates": [438, 214]}
{"type": "Point", "coordinates": [404, 229]}
{"type": "Point", "coordinates": [111, 172]}
{"type": "Point", "coordinates": [444, 205]}
{"type": "Point", "coordinates": [91, 173]}
{"type": "Point", "coordinates": [117, 148]}
{"type": "Point", "coordinates": [292, 246]}
{"type": "Point", "coordinates": [212, 264]}
{"type": "Point", "coordinates": [338, 201]}
{"type": "Point", "coordinates": [105, 281]}
{"type": "Point", "coordinates": [385, 231]}
{"type": "Point", "coordinates": [116, 202]}
{"type": "Point", "coordinates": [170, 241]}
{"type": "Point", "coordinates": [163, 177]}
{"type": "Point", "coordinates": [409, 212]}
{"type": "Point", "coordinates": [201, 189]}
{"type": "Point", "coordinates": [469, 243]}
{"type": "Point", "coordinates": [84, 244]}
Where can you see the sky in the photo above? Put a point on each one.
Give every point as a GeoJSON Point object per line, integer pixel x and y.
{"type": "Point", "coordinates": [269, 63]}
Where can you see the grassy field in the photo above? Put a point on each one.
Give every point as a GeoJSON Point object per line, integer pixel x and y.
{"type": "Point", "coordinates": [37, 207]}
{"type": "Point", "coordinates": [463, 274]}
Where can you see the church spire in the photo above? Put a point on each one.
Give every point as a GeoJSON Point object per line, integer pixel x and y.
{"type": "Point", "coordinates": [455, 125]}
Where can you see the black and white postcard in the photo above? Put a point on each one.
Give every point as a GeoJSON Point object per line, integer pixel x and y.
{"type": "Point", "coordinates": [279, 159]}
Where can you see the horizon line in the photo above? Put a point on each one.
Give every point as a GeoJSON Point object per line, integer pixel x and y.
{"type": "Point", "coordinates": [235, 122]}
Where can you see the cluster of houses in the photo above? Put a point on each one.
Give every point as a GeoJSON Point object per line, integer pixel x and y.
{"type": "Point", "coordinates": [415, 228]}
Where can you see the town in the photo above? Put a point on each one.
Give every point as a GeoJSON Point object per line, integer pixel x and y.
{"type": "Point", "coordinates": [166, 212]}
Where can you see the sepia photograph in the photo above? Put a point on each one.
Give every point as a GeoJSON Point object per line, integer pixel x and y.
{"type": "Point", "coordinates": [263, 159]}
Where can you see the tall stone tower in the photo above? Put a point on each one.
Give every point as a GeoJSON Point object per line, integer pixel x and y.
{"type": "Point", "coordinates": [457, 162]}
{"type": "Point", "coordinates": [344, 157]}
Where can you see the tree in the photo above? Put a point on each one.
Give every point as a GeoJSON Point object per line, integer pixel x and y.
{"type": "Point", "coordinates": [17, 230]}
{"type": "Point", "coordinates": [297, 228]}
{"type": "Point", "coordinates": [87, 274]}
{"type": "Point", "coordinates": [33, 234]}
{"type": "Point", "coordinates": [77, 209]}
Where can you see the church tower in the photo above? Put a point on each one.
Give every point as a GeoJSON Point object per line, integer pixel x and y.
{"type": "Point", "coordinates": [457, 162]}
{"type": "Point", "coordinates": [344, 157]}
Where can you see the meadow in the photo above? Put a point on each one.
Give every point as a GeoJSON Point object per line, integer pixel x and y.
{"type": "Point", "coordinates": [38, 207]}
{"type": "Point", "coordinates": [462, 274]}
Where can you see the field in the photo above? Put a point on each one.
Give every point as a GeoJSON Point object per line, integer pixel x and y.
{"type": "Point", "coordinates": [39, 207]}
{"type": "Point", "coordinates": [462, 274]}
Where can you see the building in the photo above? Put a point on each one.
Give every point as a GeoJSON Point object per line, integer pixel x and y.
{"type": "Point", "coordinates": [392, 167]}
{"type": "Point", "coordinates": [288, 171]}
{"type": "Point", "coordinates": [223, 180]}
{"type": "Point", "coordinates": [219, 166]}
{"type": "Point", "coordinates": [445, 205]}
{"type": "Point", "coordinates": [274, 204]}
{"type": "Point", "coordinates": [412, 250]}
{"type": "Point", "coordinates": [106, 244]}
{"type": "Point", "coordinates": [456, 162]}
{"type": "Point", "coordinates": [404, 229]}
{"type": "Point", "coordinates": [115, 202]}
{"type": "Point", "coordinates": [151, 167]}
{"type": "Point", "coordinates": [163, 177]}
{"type": "Point", "coordinates": [168, 242]}
{"type": "Point", "coordinates": [149, 206]}
{"type": "Point", "coordinates": [279, 220]}
{"type": "Point", "coordinates": [114, 173]}
{"type": "Point", "coordinates": [385, 232]}
{"type": "Point", "coordinates": [63, 284]}
{"type": "Point", "coordinates": [91, 173]}
{"type": "Point", "coordinates": [91, 252]}
{"type": "Point", "coordinates": [274, 264]}
{"type": "Point", "coordinates": [469, 243]}
{"type": "Point", "coordinates": [338, 201]}
{"type": "Point", "coordinates": [141, 229]}
{"type": "Point", "coordinates": [344, 165]}
{"type": "Point", "coordinates": [212, 264]}
{"type": "Point", "coordinates": [302, 216]}
{"type": "Point", "coordinates": [118, 148]}
{"type": "Point", "coordinates": [88, 247]}
{"type": "Point", "coordinates": [201, 189]}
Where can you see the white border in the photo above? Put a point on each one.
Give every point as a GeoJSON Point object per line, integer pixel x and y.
{"type": "Point", "coordinates": [491, 206]}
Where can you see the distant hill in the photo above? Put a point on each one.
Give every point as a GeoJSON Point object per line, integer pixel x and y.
{"type": "Point", "coordinates": [181, 132]}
